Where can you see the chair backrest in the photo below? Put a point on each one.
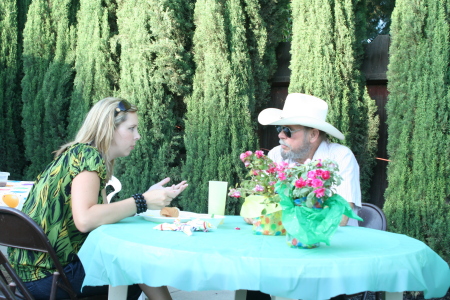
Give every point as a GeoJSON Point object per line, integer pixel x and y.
{"type": "Point", "coordinates": [373, 217]}
{"type": "Point", "coordinates": [116, 184]}
{"type": "Point", "coordinates": [18, 230]}
{"type": "Point", "coordinates": [7, 291]}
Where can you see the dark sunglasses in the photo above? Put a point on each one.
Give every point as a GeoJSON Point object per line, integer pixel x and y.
{"type": "Point", "coordinates": [287, 131]}
{"type": "Point", "coordinates": [124, 106]}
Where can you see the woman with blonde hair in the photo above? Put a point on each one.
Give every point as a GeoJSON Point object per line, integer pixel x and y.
{"type": "Point", "coordinates": [67, 199]}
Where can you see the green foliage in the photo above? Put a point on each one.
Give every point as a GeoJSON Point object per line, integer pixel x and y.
{"type": "Point", "coordinates": [12, 158]}
{"type": "Point", "coordinates": [155, 73]}
{"type": "Point", "coordinates": [326, 57]}
{"type": "Point", "coordinates": [96, 65]}
{"type": "Point", "coordinates": [265, 28]}
{"type": "Point", "coordinates": [38, 50]}
{"type": "Point", "coordinates": [48, 55]}
{"type": "Point", "coordinates": [418, 195]}
{"type": "Point", "coordinates": [234, 46]}
{"type": "Point", "coordinates": [379, 17]}
{"type": "Point", "coordinates": [375, 14]}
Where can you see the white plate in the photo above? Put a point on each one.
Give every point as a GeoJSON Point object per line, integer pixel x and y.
{"type": "Point", "coordinates": [155, 216]}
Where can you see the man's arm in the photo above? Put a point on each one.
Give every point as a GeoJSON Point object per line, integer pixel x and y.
{"type": "Point", "coordinates": [349, 188]}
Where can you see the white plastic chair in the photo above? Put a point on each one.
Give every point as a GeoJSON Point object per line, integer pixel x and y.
{"type": "Point", "coordinates": [115, 183]}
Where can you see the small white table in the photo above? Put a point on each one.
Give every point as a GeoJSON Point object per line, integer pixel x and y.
{"type": "Point", "coordinates": [233, 258]}
{"type": "Point", "coordinates": [14, 193]}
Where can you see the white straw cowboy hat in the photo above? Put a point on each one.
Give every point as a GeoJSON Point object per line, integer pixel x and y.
{"type": "Point", "coordinates": [300, 109]}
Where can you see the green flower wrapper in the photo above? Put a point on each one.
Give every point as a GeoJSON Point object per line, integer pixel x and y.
{"type": "Point", "coordinates": [312, 225]}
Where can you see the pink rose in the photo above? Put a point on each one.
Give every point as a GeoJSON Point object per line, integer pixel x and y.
{"type": "Point", "coordinates": [272, 182]}
{"type": "Point", "coordinates": [258, 188]}
{"type": "Point", "coordinates": [282, 166]}
{"type": "Point", "coordinates": [282, 175]}
{"type": "Point", "coordinates": [326, 175]}
{"type": "Point", "coordinates": [299, 183]}
{"type": "Point", "coordinates": [320, 192]}
{"type": "Point", "coordinates": [259, 153]}
{"type": "Point", "coordinates": [255, 173]}
{"type": "Point", "coordinates": [235, 193]}
{"type": "Point", "coordinates": [319, 164]}
{"type": "Point", "coordinates": [272, 169]}
{"type": "Point", "coordinates": [316, 183]}
{"type": "Point", "coordinates": [312, 174]}
{"type": "Point", "coordinates": [244, 155]}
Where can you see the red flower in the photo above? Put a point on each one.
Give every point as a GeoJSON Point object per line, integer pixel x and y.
{"type": "Point", "coordinates": [325, 175]}
{"type": "Point", "coordinates": [299, 183]}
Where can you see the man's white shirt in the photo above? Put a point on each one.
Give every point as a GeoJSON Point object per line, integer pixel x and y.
{"type": "Point", "coordinates": [350, 188]}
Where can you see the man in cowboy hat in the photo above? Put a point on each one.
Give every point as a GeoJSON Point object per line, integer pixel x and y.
{"type": "Point", "coordinates": [302, 130]}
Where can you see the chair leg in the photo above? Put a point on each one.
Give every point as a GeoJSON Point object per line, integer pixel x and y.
{"type": "Point", "coordinates": [364, 296]}
{"type": "Point", "coordinates": [54, 286]}
{"type": "Point", "coordinates": [12, 287]}
{"type": "Point", "coordinates": [4, 288]}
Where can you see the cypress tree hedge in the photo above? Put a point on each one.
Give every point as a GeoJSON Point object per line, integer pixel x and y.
{"type": "Point", "coordinates": [48, 55]}
{"type": "Point", "coordinates": [96, 59]}
{"type": "Point", "coordinates": [155, 73]}
{"type": "Point", "coordinates": [11, 145]}
{"type": "Point", "coordinates": [327, 53]}
{"type": "Point", "coordinates": [418, 195]}
{"type": "Point", "coordinates": [232, 70]}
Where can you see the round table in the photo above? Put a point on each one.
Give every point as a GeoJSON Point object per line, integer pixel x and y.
{"type": "Point", "coordinates": [233, 258]}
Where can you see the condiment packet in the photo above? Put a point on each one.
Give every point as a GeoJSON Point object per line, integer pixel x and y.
{"type": "Point", "coordinates": [188, 227]}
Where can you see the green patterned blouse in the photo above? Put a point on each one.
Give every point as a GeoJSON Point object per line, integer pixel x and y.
{"type": "Point", "coordinates": [49, 205]}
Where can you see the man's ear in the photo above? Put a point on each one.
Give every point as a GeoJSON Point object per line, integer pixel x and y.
{"type": "Point", "coordinates": [314, 135]}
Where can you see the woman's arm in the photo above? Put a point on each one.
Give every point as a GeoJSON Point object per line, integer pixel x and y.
{"type": "Point", "coordinates": [88, 215]}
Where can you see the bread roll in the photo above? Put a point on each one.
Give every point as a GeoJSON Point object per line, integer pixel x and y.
{"type": "Point", "coordinates": [171, 212]}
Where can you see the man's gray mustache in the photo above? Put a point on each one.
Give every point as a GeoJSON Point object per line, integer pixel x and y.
{"type": "Point", "coordinates": [284, 144]}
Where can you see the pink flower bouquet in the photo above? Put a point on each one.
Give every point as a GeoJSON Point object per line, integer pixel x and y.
{"type": "Point", "coordinates": [312, 210]}
{"type": "Point", "coordinates": [261, 201]}
{"type": "Point", "coordinates": [262, 176]}
{"type": "Point", "coordinates": [312, 183]}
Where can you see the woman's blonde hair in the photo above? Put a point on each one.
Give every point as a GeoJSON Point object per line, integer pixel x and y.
{"type": "Point", "coordinates": [98, 128]}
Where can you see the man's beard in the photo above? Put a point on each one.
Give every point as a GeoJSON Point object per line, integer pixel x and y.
{"type": "Point", "coordinates": [298, 155]}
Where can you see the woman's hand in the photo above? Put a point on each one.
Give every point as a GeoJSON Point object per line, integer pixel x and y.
{"type": "Point", "coordinates": [248, 221]}
{"type": "Point", "coordinates": [159, 196]}
{"type": "Point", "coordinates": [88, 214]}
{"type": "Point", "coordinates": [159, 185]}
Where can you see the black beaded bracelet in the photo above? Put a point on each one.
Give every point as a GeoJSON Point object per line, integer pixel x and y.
{"type": "Point", "coordinates": [141, 204]}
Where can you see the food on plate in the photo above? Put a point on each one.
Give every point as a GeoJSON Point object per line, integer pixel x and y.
{"type": "Point", "coordinates": [170, 212]}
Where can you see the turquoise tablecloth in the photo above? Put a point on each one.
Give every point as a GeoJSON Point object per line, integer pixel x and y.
{"type": "Point", "coordinates": [358, 259]}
